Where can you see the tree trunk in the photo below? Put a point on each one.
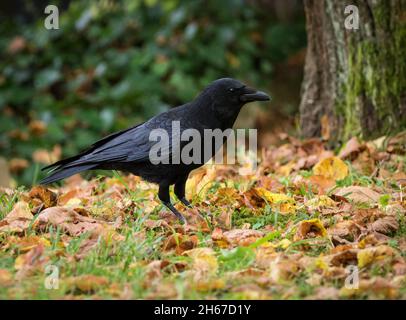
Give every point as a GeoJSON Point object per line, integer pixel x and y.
{"type": "Point", "coordinates": [355, 79]}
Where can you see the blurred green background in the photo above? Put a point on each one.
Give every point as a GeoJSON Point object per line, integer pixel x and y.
{"type": "Point", "coordinates": [112, 64]}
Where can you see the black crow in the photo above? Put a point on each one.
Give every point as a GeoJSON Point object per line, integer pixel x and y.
{"type": "Point", "coordinates": [217, 107]}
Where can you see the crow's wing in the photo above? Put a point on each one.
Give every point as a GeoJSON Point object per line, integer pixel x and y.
{"type": "Point", "coordinates": [129, 145]}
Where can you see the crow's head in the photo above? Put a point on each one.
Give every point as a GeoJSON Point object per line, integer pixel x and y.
{"type": "Point", "coordinates": [227, 96]}
{"type": "Point", "coordinates": [231, 91]}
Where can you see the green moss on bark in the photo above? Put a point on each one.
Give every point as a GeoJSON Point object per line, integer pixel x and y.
{"type": "Point", "coordinates": [374, 84]}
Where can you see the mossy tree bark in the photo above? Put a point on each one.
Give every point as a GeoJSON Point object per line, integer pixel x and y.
{"type": "Point", "coordinates": [355, 79]}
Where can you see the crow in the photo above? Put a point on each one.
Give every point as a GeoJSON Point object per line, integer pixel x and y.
{"type": "Point", "coordinates": [216, 107]}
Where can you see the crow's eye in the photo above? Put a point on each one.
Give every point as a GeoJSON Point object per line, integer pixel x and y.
{"type": "Point", "coordinates": [231, 89]}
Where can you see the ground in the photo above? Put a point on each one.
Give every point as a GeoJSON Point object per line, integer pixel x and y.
{"type": "Point", "coordinates": [308, 223]}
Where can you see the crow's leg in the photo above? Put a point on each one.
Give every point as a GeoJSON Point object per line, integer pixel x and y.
{"type": "Point", "coordinates": [180, 186]}
{"type": "Point", "coordinates": [163, 195]}
{"type": "Point", "coordinates": [180, 193]}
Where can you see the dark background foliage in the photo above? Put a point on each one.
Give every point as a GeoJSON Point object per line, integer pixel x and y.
{"type": "Point", "coordinates": [112, 64]}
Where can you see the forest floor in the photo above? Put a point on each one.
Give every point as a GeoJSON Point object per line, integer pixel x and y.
{"type": "Point", "coordinates": [309, 224]}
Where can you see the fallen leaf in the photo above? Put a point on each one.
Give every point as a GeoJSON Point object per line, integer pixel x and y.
{"type": "Point", "coordinates": [350, 149]}
{"type": "Point", "coordinates": [86, 283]}
{"type": "Point", "coordinates": [372, 254]}
{"type": "Point", "coordinates": [322, 183]}
{"type": "Point", "coordinates": [331, 168]}
{"type": "Point", "coordinates": [320, 202]}
{"type": "Point", "coordinates": [204, 260]}
{"type": "Point", "coordinates": [385, 225]}
{"type": "Point", "coordinates": [242, 237]}
{"type": "Point", "coordinates": [18, 220]}
{"type": "Point", "coordinates": [180, 243]}
{"type": "Point", "coordinates": [280, 201]}
{"type": "Point", "coordinates": [379, 287]}
{"type": "Point", "coordinates": [310, 229]}
{"type": "Point", "coordinates": [283, 268]}
{"type": "Point", "coordinates": [346, 229]}
{"type": "Point", "coordinates": [30, 262]}
{"type": "Point", "coordinates": [6, 278]}
{"type": "Point", "coordinates": [27, 243]}
{"type": "Point", "coordinates": [47, 197]}
{"type": "Point", "coordinates": [72, 223]}
{"type": "Point", "coordinates": [358, 194]}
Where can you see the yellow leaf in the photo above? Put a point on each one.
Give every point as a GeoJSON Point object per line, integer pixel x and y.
{"type": "Point", "coordinates": [369, 255]}
{"type": "Point", "coordinates": [280, 201]}
{"type": "Point", "coordinates": [209, 284]}
{"type": "Point", "coordinates": [274, 197]}
{"type": "Point", "coordinates": [331, 168]}
{"type": "Point", "coordinates": [284, 244]}
{"type": "Point", "coordinates": [204, 260]}
{"type": "Point", "coordinates": [318, 202]}
{"type": "Point", "coordinates": [321, 263]}
{"type": "Point", "coordinates": [312, 227]}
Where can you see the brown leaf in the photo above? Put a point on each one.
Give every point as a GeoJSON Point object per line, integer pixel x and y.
{"type": "Point", "coordinates": [385, 225]}
{"type": "Point", "coordinates": [322, 183]}
{"type": "Point", "coordinates": [351, 149]}
{"type": "Point", "coordinates": [71, 222]}
{"type": "Point", "coordinates": [87, 283]}
{"type": "Point", "coordinates": [30, 262]}
{"type": "Point", "coordinates": [379, 287]}
{"type": "Point", "coordinates": [358, 194]}
{"type": "Point", "coordinates": [18, 219]}
{"type": "Point", "coordinates": [180, 243]}
{"type": "Point", "coordinates": [27, 243]}
{"type": "Point", "coordinates": [47, 197]}
{"type": "Point", "coordinates": [6, 278]}
{"type": "Point", "coordinates": [346, 229]}
{"type": "Point", "coordinates": [242, 237]}
{"type": "Point", "coordinates": [344, 258]}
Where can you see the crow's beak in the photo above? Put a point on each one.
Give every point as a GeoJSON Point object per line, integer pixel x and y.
{"type": "Point", "coordinates": [250, 95]}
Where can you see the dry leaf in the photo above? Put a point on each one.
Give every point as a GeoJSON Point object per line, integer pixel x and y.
{"type": "Point", "coordinates": [331, 168]}
{"type": "Point", "coordinates": [86, 283]}
{"type": "Point", "coordinates": [351, 149]}
{"type": "Point", "coordinates": [320, 202]}
{"type": "Point", "coordinates": [358, 194]}
{"type": "Point", "coordinates": [369, 255]}
{"type": "Point", "coordinates": [204, 260]}
{"type": "Point", "coordinates": [18, 219]}
{"type": "Point", "coordinates": [279, 201]}
{"type": "Point", "coordinates": [30, 262]}
{"type": "Point", "coordinates": [6, 278]}
{"type": "Point", "coordinates": [47, 197]}
{"type": "Point", "coordinates": [72, 223]}
{"type": "Point", "coordinates": [310, 229]}
{"type": "Point", "coordinates": [180, 243]}
{"type": "Point", "coordinates": [385, 225]}
{"type": "Point", "coordinates": [242, 237]}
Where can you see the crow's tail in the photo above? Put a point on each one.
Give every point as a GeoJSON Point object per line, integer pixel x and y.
{"type": "Point", "coordinates": [61, 172]}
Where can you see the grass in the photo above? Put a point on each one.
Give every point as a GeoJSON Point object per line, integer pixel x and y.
{"type": "Point", "coordinates": [138, 266]}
